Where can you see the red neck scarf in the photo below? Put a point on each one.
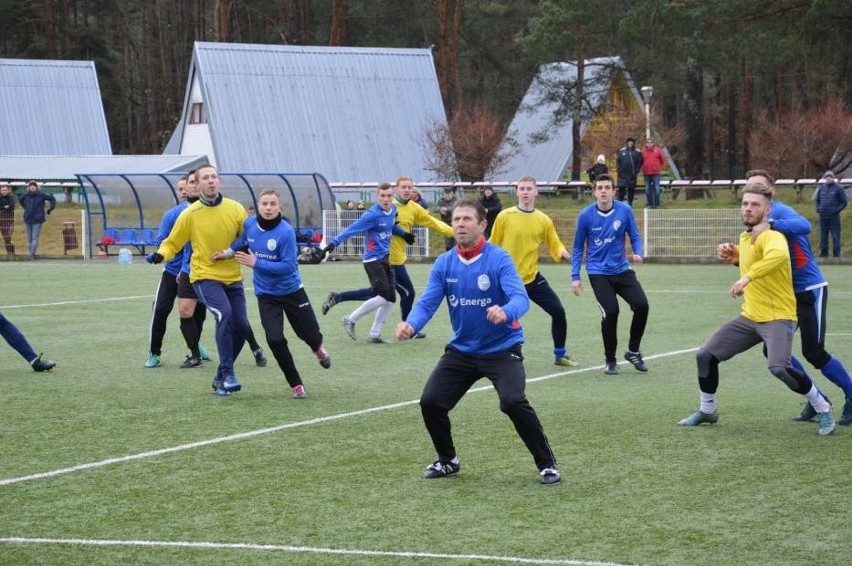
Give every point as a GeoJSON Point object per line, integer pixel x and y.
{"type": "Point", "coordinates": [472, 252]}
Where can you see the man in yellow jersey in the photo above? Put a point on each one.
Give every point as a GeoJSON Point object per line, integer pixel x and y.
{"type": "Point", "coordinates": [520, 230]}
{"type": "Point", "coordinates": [408, 215]}
{"type": "Point", "coordinates": [211, 224]}
{"type": "Point", "coordinates": [768, 314]}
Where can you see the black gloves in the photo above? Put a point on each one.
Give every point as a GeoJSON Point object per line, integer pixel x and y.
{"type": "Point", "coordinates": [409, 238]}
{"type": "Point", "coordinates": [154, 258]}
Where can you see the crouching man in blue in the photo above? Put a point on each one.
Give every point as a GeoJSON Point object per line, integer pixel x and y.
{"type": "Point", "coordinates": [268, 246]}
{"type": "Point", "coordinates": [486, 299]}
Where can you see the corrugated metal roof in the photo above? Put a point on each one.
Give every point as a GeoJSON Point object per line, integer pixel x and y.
{"type": "Point", "coordinates": [546, 157]}
{"type": "Point", "coordinates": [352, 114]}
{"type": "Point", "coordinates": [61, 167]}
{"type": "Point", "coordinates": [51, 108]}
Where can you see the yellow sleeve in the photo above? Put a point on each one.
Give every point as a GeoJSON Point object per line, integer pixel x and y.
{"type": "Point", "coordinates": [554, 244]}
{"type": "Point", "coordinates": [774, 253]}
{"type": "Point", "coordinates": [498, 230]}
{"type": "Point", "coordinates": [423, 218]}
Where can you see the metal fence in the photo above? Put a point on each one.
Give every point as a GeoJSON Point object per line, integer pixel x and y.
{"type": "Point", "coordinates": [668, 234]}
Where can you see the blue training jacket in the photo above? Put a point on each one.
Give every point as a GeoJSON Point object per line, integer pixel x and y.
{"type": "Point", "coordinates": [166, 224]}
{"type": "Point", "coordinates": [795, 227]}
{"type": "Point", "coordinates": [378, 227]}
{"type": "Point", "coordinates": [604, 232]}
{"type": "Point", "coordinates": [276, 271]}
{"type": "Point", "coordinates": [470, 287]}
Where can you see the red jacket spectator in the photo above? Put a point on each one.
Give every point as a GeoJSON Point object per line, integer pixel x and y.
{"type": "Point", "coordinates": [653, 160]}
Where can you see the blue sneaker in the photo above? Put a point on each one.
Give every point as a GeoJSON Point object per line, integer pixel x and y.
{"type": "Point", "coordinates": [699, 417]}
{"type": "Point", "coordinates": [152, 361]}
{"type": "Point", "coordinates": [826, 423]}
{"type": "Point", "coordinates": [231, 385]}
{"type": "Point", "coordinates": [205, 355]}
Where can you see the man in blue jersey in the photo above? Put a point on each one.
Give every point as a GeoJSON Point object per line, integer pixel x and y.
{"type": "Point", "coordinates": [486, 300]}
{"type": "Point", "coordinates": [811, 291]}
{"type": "Point", "coordinates": [268, 246]}
{"type": "Point", "coordinates": [602, 227]}
{"type": "Point", "coordinates": [378, 225]}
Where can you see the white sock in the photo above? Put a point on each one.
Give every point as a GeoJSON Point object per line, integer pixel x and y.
{"type": "Point", "coordinates": [708, 403]}
{"type": "Point", "coordinates": [817, 401]}
{"type": "Point", "coordinates": [367, 307]}
{"type": "Point", "coordinates": [381, 317]}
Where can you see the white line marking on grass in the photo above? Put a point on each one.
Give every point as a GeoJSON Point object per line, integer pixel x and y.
{"type": "Point", "coordinates": [268, 430]}
{"type": "Point", "coordinates": [79, 302]}
{"type": "Point", "coordinates": [302, 549]}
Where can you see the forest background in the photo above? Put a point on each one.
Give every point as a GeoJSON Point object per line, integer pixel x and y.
{"type": "Point", "coordinates": [738, 83]}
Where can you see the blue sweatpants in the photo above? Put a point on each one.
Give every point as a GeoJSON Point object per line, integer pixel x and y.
{"type": "Point", "coordinates": [16, 339]}
{"type": "Point", "coordinates": [227, 304]}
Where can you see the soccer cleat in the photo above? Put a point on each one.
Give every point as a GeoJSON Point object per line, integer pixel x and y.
{"type": "Point", "coordinates": [846, 417]}
{"type": "Point", "coordinates": [611, 368]}
{"type": "Point", "coordinates": [550, 476]}
{"type": "Point", "coordinates": [191, 362]}
{"type": "Point", "coordinates": [419, 336]}
{"type": "Point", "coordinates": [439, 469]}
{"type": "Point", "coordinates": [259, 358]}
{"type": "Point", "coordinates": [807, 415]}
{"type": "Point", "coordinates": [228, 385]}
{"type": "Point", "coordinates": [565, 361]}
{"type": "Point", "coordinates": [205, 355]}
{"type": "Point", "coordinates": [42, 365]}
{"type": "Point", "coordinates": [376, 340]}
{"type": "Point", "coordinates": [323, 357]}
{"type": "Point", "coordinates": [635, 358]}
{"type": "Point", "coordinates": [699, 417]}
{"type": "Point", "coordinates": [329, 302]}
{"type": "Point", "coordinates": [152, 361]}
{"type": "Point", "coordinates": [349, 327]}
{"type": "Point", "coordinates": [299, 392]}
{"type": "Point", "coordinates": [826, 423]}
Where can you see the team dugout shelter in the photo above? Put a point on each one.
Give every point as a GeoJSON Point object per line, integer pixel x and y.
{"type": "Point", "coordinates": [125, 210]}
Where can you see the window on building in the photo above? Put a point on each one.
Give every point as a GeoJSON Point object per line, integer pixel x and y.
{"type": "Point", "coordinates": [196, 114]}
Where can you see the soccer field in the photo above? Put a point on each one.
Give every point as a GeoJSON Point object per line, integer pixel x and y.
{"type": "Point", "coordinates": [103, 461]}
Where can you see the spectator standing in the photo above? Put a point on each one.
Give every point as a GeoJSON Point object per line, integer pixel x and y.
{"type": "Point", "coordinates": [493, 205]}
{"type": "Point", "coordinates": [830, 201]}
{"type": "Point", "coordinates": [33, 202]}
{"type": "Point", "coordinates": [211, 224]}
{"type": "Point", "coordinates": [444, 208]}
{"type": "Point", "coordinates": [628, 164]}
{"type": "Point", "coordinates": [486, 300]}
{"type": "Point", "coordinates": [599, 168]}
{"type": "Point", "coordinates": [520, 230]}
{"type": "Point", "coordinates": [268, 246]}
{"type": "Point", "coordinates": [653, 162]}
{"type": "Point", "coordinates": [768, 314]}
{"type": "Point", "coordinates": [16, 339]}
{"type": "Point", "coordinates": [602, 227]}
{"type": "Point", "coordinates": [417, 197]}
{"type": "Point", "coordinates": [7, 218]}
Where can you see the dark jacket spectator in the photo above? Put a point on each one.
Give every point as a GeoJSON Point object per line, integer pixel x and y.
{"type": "Point", "coordinates": [599, 168]}
{"type": "Point", "coordinates": [33, 201]}
{"type": "Point", "coordinates": [628, 164]}
{"type": "Point", "coordinates": [830, 196]}
{"type": "Point", "coordinates": [493, 206]}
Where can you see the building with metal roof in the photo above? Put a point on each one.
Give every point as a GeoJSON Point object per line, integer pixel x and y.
{"type": "Point", "coordinates": [540, 139]}
{"type": "Point", "coordinates": [352, 114]}
{"type": "Point", "coordinates": [51, 108]}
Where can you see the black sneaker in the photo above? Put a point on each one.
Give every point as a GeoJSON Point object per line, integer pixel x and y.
{"type": "Point", "coordinates": [259, 358]}
{"type": "Point", "coordinates": [807, 415]}
{"type": "Point", "coordinates": [419, 336]}
{"type": "Point", "coordinates": [329, 302]}
{"type": "Point", "coordinates": [43, 365]}
{"type": "Point", "coordinates": [846, 418]}
{"type": "Point", "coordinates": [439, 469]}
{"type": "Point", "coordinates": [191, 362]}
{"type": "Point", "coordinates": [611, 368]}
{"type": "Point", "coordinates": [635, 358]}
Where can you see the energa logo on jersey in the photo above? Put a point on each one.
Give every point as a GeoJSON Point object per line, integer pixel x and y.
{"type": "Point", "coordinates": [454, 302]}
{"type": "Point", "coordinates": [270, 244]}
{"type": "Point", "coordinates": [483, 282]}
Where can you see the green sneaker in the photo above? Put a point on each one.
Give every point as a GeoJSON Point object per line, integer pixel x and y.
{"type": "Point", "coordinates": [152, 361]}
{"type": "Point", "coordinates": [698, 417]}
{"type": "Point", "coordinates": [565, 361]}
{"type": "Point", "coordinates": [826, 423]}
{"type": "Point", "coordinates": [205, 355]}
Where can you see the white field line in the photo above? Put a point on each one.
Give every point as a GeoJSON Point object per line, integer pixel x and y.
{"type": "Point", "coordinates": [299, 549]}
{"type": "Point", "coordinates": [278, 428]}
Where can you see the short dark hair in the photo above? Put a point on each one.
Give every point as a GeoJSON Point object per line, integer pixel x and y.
{"type": "Point", "coordinates": [474, 204]}
{"type": "Point", "coordinates": [603, 177]}
{"type": "Point", "coordinates": [762, 173]}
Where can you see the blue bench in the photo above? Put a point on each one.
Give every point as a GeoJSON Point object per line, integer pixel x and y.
{"type": "Point", "coordinates": [123, 237]}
